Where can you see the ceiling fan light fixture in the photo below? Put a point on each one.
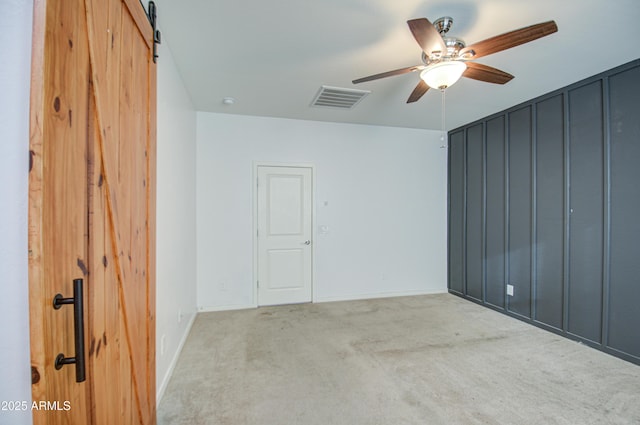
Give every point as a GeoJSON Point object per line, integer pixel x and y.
{"type": "Point", "coordinates": [443, 74]}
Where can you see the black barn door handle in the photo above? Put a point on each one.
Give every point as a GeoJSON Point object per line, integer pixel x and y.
{"type": "Point", "coordinates": [78, 329]}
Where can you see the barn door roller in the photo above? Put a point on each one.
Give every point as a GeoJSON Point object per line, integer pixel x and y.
{"type": "Point", "coordinates": [153, 18]}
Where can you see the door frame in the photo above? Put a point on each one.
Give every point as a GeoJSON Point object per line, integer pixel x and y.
{"type": "Point", "coordinates": [254, 229]}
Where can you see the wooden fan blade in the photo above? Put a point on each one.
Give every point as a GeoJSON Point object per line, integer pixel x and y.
{"type": "Point", "coordinates": [388, 74]}
{"type": "Point", "coordinates": [478, 71]}
{"type": "Point", "coordinates": [427, 36]}
{"type": "Point", "coordinates": [510, 39]}
{"type": "Point", "coordinates": [417, 93]}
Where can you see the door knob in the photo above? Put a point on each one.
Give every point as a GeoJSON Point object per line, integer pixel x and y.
{"type": "Point", "coordinates": [307, 242]}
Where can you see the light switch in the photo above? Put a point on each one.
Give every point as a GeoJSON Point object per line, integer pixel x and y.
{"type": "Point", "coordinates": [510, 290]}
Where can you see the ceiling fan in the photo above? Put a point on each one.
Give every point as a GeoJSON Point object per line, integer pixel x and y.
{"type": "Point", "coordinates": [445, 58]}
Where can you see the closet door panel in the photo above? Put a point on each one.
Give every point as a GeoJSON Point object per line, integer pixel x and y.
{"type": "Point", "coordinates": [456, 212]}
{"type": "Point", "coordinates": [495, 213]}
{"type": "Point", "coordinates": [586, 211]}
{"type": "Point", "coordinates": [474, 220]}
{"type": "Point", "coordinates": [520, 211]}
{"type": "Point", "coordinates": [624, 290]}
{"type": "Point", "coordinates": [549, 211]}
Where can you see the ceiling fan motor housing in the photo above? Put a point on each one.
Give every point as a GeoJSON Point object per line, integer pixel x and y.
{"type": "Point", "coordinates": [443, 25]}
{"type": "Point", "coordinates": [453, 45]}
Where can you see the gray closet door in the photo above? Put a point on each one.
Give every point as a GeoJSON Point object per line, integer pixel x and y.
{"type": "Point", "coordinates": [520, 210]}
{"type": "Point", "coordinates": [456, 211]}
{"type": "Point", "coordinates": [624, 292]}
{"type": "Point", "coordinates": [586, 211]}
{"type": "Point", "coordinates": [495, 214]}
{"type": "Point", "coordinates": [549, 211]}
{"type": "Point", "coordinates": [474, 251]}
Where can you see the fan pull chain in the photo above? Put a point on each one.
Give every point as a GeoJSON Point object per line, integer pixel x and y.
{"type": "Point", "coordinates": [443, 108]}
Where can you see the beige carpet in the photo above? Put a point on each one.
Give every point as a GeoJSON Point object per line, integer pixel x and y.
{"type": "Point", "coordinates": [433, 359]}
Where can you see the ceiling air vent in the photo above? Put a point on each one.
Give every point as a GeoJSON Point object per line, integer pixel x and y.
{"type": "Point", "coordinates": [336, 97]}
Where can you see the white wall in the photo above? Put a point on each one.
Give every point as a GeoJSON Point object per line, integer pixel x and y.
{"type": "Point", "coordinates": [15, 57]}
{"type": "Point", "coordinates": [385, 190]}
{"type": "Point", "coordinates": [176, 217]}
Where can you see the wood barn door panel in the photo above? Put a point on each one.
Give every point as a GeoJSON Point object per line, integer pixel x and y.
{"type": "Point", "coordinates": [92, 207]}
{"type": "Point", "coordinates": [57, 203]}
{"type": "Point", "coordinates": [122, 97]}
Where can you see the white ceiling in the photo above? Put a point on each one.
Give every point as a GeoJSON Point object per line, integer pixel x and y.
{"type": "Point", "coordinates": [272, 56]}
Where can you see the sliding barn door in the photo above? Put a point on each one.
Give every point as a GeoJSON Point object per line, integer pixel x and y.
{"type": "Point", "coordinates": [92, 213]}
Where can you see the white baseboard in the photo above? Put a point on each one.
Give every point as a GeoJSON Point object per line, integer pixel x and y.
{"type": "Point", "coordinates": [316, 299]}
{"type": "Point", "coordinates": [356, 297]}
{"type": "Point", "coordinates": [209, 309]}
{"type": "Point", "coordinates": [174, 361]}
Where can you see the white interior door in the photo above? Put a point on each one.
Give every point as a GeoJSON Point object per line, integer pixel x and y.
{"type": "Point", "coordinates": [284, 235]}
